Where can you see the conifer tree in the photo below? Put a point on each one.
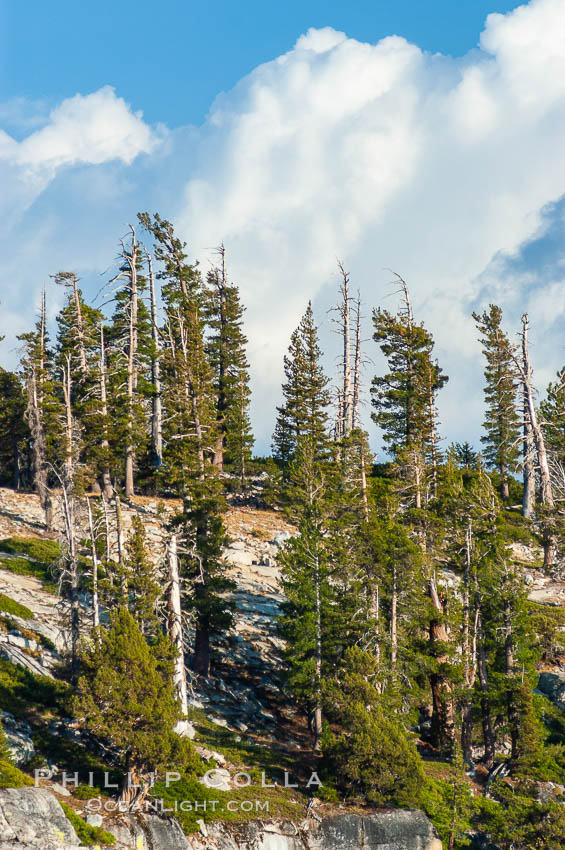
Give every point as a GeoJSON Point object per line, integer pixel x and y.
{"type": "Point", "coordinates": [191, 438]}
{"type": "Point", "coordinates": [552, 412]}
{"type": "Point", "coordinates": [301, 441]}
{"type": "Point", "coordinates": [78, 344]}
{"type": "Point", "coordinates": [404, 398]}
{"type": "Point", "coordinates": [321, 615]}
{"type": "Point", "coordinates": [15, 457]}
{"type": "Point", "coordinates": [369, 752]}
{"type": "Point", "coordinates": [37, 374]}
{"type": "Point", "coordinates": [501, 423]}
{"type": "Point", "coordinates": [226, 343]}
{"type": "Point", "coordinates": [143, 589]}
{"type": "Point", "coordinates": [130, 347]}
{"type": "Point", "coordinates": [125, 695]}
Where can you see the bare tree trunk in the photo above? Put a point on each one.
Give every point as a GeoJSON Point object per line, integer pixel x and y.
{"type": "Point", "coordinates": [35, 420]}
{"type": "Point", "coordinates": [547, 499]}
{"type": "Point", "coordinates": [79, 326]}
{"type": "Point", "coordinates": [545, 477]}
{"type": "Point", "coordinates": [504, 484]}
{"type": "Point", "coordinates": [175, 630]}
{"type": "Point", "coordinates": [191, 394]}
{"type": "Point", "coordinates": [107, 488]}
{"type": "Point", "coordinates": [363, 482]}
{"type": "Point", "coordinates": [94, 556]}
{"type": "Point", "coordinates": [69, 515]}
{"type": "Point", "coordinates": [345, 313]}
{"type": "Point", "coordinates": [357, 363]}
{"type": "Point", "coordinates": [529, 494]}
{"type": "Point", "coordinates": [107, 527]}
{"type": "Point", "coordinates": [443, 719]}
{"type": "Point", "coordinates": [317, 726]}
{"type": "Point", "coordinates": [132, 260]}
{"type": "Point", "coordinates": [417, 478]}
{"type": "Point", "coordinates": [156, 401]}
{"type": "Point", "coordinates": [393, 618]}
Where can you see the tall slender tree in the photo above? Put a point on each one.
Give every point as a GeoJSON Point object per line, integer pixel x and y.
{"type": "Point", "coordinates": [501, 439]}
{"type": "Point", "coordinates": [226, 349]}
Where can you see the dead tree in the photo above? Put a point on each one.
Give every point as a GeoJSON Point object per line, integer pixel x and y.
{"type": "Point", "coordinates": [94, 556]}
{"type": "Point", "coordinates": [175, 629]}
{"type": "Point", "coordinates": [443, 717]}
{"type": "Point", "coordinates": [130, 257]}
{"type": "Point", "coordinates": [343, 321]}
{"type": "Point", "coordinates": [525, 373]}
{"type": "Point", "coordinates": [70, 576]}
{"type": "Point", "coordinates": [107, 488]}
{"type": "Point", "coordinates": [156, 401]}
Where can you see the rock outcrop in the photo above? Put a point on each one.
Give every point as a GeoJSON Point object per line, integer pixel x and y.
{"type": "Point", "coordinates": [32, 819]}
{"type": "Point", "coordinates": [393, 830]}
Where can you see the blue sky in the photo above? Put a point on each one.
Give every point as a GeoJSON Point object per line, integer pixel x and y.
{"type": "Point", "coordinates": [426, 138]}
{"type": "Point", "coordinates": [171, 59]}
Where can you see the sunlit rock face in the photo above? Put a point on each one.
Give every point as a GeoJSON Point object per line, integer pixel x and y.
{"type": "Point", "coordinates": [393, 830]}
{"type": "Point", "coordinates": [32, 819]}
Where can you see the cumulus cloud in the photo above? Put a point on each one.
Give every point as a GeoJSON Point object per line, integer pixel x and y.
{"type": "Point", "coordinates": [82, 130]}
{"type": "Point", "coordinates": [383, 155]}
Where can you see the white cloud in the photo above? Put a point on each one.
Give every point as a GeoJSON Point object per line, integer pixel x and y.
{"type": "Point", "coordinates": [382, 155]}
{"type": "Point", "coordinates": [82, 130]}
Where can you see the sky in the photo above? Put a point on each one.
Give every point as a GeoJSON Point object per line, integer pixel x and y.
{"type": "Point", "coordinates": [424, 138]}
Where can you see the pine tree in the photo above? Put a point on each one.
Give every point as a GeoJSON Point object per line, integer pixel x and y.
{"type": "Point", "coordinates": [191, 438]}
{"type": "Point", "coordinates": [369, 753]}
{"type": "Point", "coordinates": [404, 398]}
{"type": "Point", "coordinates": [321, 612]}
{"type": "Point", "coordinates": [552, 411]}
{"type": "Point", "coordinates": [143, 588]}
{"type": "Point", "coordinates": [304, 414]}
{"type": "Point", "coordinates": [465, 455]}
{"type": "Point", "coordinates": [501, 423]}
{"type": "Point", "coordinates": [36, 366]}
{"type": "Point", "coordinates": [226, 344]}
{"type": "Point", "coordinates": [125, 696]}
{"type": "Point", "coordinates": [78, 344]}
{"type": "Point", "coordinates": [15, 457]}
{"type": "Point", "coordinates": [130, 349]}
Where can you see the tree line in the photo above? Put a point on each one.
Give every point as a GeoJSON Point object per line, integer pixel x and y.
{"type": "Point", "coordinates": [405, 606]}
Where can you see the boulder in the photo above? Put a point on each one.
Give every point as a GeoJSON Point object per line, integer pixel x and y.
{"type": "Point", "coordinates": [552, 685]}
{"type": "Point", "coordinates": [32, 819]}
{"type": "Point", "coordinates": [18, 738]}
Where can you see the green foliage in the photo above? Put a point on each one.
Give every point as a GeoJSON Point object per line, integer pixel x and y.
{"type": "Point", "coordinates": [47, 552]}
{"type": "Point", "coordinates": [12, 777]}
{"type": "Point", "coordinates": [513, 817]}
{"type": "Point", "coordinates": [302, 420]}
{"type": "Point", "coordinates": [501, 424]}
{"type": "Point", "coordinates": [143, 589]}
{"type": "Point", "coordinates": [89, 835]}
{"type": "Point", "coordinates": [369, 752]}
{"type": "Point", "coordinates": [404, 397]}
{"type": "Point", "coordinates": [225, 346]}
{"type": "Point", "coordinates": [21, 690]}
{"type": "Point", "coordinates": [10, 606]}
{"type": "Point", "coordinates": [23, 567]}
{"type": "Point", "coordinates": [126, 696]}
{"type": "Point", "coordinates": [449, 804]}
